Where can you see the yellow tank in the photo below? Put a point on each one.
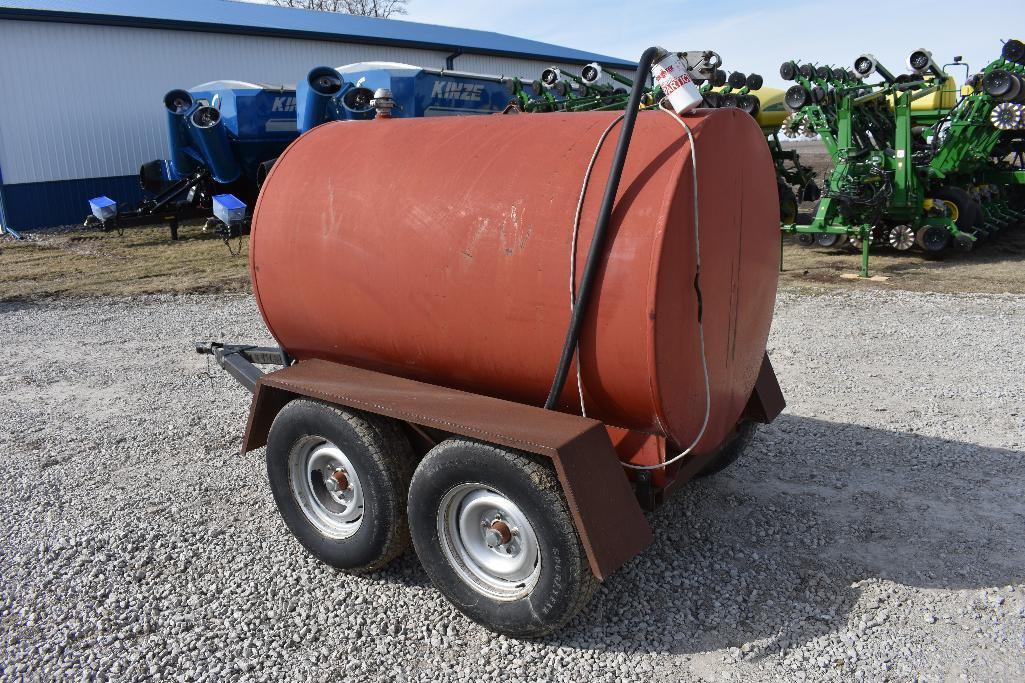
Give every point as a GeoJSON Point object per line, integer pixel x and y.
{"type": "Point", "coordinates": [771, 111]}
{"type": "Point", "coordinates": [944, 98]}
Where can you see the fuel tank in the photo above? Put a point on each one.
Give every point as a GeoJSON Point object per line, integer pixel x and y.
{"type": "Point", "coordinates": [439, 250]}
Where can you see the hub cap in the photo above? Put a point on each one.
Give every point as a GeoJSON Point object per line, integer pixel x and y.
{"type": "Point", "coordinates": [326, 486]}
{"type": "Point", "coordinates": [489, 542]}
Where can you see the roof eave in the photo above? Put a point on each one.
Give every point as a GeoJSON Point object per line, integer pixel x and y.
{"type": "Point", "coordinates": [16, 13]}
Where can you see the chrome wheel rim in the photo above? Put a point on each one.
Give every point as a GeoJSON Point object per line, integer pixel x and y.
{"type": "Point", "coordinates": [488, 540]}
{"type": "Point", "coordinates": [326, 486]}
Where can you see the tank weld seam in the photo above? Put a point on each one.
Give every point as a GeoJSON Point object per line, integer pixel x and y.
{"type": "Point", "coordinates": [697, 291]}
{"type": "Point", "coordinates": [341, 399]}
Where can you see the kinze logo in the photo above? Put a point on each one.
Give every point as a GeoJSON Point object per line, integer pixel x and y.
{"type": "Point", "coordinates": [283, 104]}
{"type": "Point", "coordinates": [457, 91]}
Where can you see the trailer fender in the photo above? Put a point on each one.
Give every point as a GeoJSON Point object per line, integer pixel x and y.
{"type": "Point", "coordinates": [766, 402]}
{"type": "Point", "coordinates": [606, 513]}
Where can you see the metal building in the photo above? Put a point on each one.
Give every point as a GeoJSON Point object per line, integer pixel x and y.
{"type": "Point", "coordinates": [84, 80]}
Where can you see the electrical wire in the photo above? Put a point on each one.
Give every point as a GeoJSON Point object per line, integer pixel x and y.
{"type": "Point", "coordinates": [697, 290]}
{"type": "Point", "coordinates": [697, 280]}
{"type": "Point", "coordinates": [573, 249]}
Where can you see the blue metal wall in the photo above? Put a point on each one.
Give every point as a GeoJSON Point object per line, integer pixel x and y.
{"type": "Point", "coordinates": [62, 202]}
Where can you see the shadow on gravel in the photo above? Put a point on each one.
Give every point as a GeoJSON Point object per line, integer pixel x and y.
{"type": "Point", "coordinates": [770, 551]}
{"type": "Point", "coordinates": [15, 305]}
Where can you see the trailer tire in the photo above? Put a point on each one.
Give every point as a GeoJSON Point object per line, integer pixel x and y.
{"type": "Point", "coordinates": [545, 580]}
{"type": "Point", "coordinates": [363, 526]}
{"type": "Point", "coordinates": [731, 451]}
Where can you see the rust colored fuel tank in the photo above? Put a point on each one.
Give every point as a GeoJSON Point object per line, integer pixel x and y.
{"type": "Point", "coordinates": [438, 250]}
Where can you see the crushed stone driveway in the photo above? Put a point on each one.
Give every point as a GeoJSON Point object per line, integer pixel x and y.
{"type": "Point", "coordinates": [873, 532]}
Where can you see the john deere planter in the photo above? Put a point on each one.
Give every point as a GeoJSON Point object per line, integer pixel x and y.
{"type": "Point", "coordinates": [916, 162]}
{"type": "Point", "coordinates": [595, 89]}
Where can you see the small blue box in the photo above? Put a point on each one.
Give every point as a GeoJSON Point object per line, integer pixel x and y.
{"type": "Point", "coordinates": [103, 208]}
{"type": "Point", "coordinates": [229, 209]}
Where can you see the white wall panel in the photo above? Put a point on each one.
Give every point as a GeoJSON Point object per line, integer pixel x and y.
{"type": "Point", "coordinates": [85, 101]}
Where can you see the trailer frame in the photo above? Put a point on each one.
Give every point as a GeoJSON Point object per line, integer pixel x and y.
{"type": "Point", "coordinates": [607, 507]}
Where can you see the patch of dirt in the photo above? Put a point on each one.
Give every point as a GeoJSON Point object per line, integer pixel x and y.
{"type": "Point", "coordinates": [994, 266]}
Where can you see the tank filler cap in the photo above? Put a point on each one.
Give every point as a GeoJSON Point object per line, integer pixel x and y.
{"type": "Point", "coordinates": [383, 103]}
{"type": "Point", "coordinates": [701, 64]}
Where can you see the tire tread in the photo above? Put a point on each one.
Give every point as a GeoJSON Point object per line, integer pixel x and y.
{"type": "Point", "coordinates": [539, 471]}
{"type": "Point", "coordinates": [388, 446]}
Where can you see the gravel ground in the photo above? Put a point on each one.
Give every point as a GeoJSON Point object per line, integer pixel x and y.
{"type": "Point", "coordinates": [873, 532]}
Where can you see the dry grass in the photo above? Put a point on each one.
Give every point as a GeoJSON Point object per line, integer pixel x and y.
{"type": "Point", "coordinates": [143, 261]}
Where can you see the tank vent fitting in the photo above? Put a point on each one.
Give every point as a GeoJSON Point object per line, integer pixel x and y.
{"type": "Point", "coordinates": [383, 103]}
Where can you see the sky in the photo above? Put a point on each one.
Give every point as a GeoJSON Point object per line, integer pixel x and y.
{"type": "Point", "coordinates": [749, 36]}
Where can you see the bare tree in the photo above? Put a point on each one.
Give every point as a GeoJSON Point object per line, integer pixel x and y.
{"type": "Point", "coordinates": [363, 8]}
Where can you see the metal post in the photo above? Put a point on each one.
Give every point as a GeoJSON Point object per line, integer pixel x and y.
{"type": "Point", "coordinates": [905, 179]}
{"type": "Point", "coordinates": [866, 232]}
{"type": "Point", "coordinates": [3, 214]}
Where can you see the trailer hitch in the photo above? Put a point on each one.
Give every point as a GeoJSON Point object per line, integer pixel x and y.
{"type": "Point", "coordinates": [240, 360]}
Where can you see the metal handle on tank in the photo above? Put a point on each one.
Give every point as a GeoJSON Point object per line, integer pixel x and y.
{"type": "Point", "coordinates": [597, 247]}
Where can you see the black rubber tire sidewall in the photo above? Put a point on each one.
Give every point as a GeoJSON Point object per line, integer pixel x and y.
{"type": "Point", "coordinates": [566, 581]}
{"type": "Point", "coordinates": [731, 450]}
{"type": "Point", "coordinates": [383, 533]}
{"type": "Point", "coordinates": [788, 206]}
{"type": "Point", "coordinates": [920, 238]}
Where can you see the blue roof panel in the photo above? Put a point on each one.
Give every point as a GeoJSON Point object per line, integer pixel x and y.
{"type": "Point", "coordinates": [228, 16]}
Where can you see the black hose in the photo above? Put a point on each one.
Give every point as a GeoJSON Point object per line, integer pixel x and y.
{"type": "Point", "coordinates": [597, 248]}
